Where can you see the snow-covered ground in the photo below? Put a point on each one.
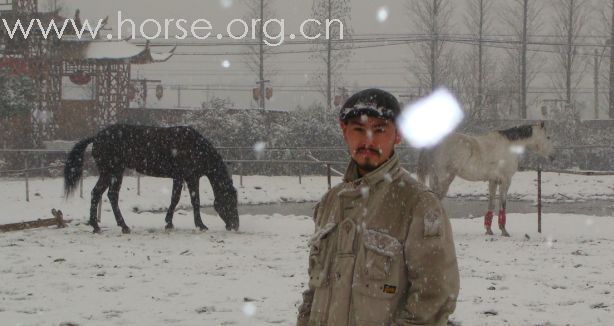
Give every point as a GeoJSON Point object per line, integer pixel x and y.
{"type": "Point", "coordinates": [49, 276]}
{"type": "Point", "coordinates": [255, 277]}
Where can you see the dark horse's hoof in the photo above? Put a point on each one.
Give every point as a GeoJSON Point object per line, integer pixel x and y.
{"type": "Point", "coordinates": [203, 228]}
{"type": "Point", "coordinates": [126, 230]}
{"type": "Point", "coordinates": [169, 226]}
{"type": "Point", "coordinates": [97, 230]}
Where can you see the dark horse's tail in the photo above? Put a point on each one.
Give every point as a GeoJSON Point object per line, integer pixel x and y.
{"type": "Point", "coordinates": [73, 168]}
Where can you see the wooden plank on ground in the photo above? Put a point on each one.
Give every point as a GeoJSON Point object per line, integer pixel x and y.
{"type": "Point", "coordinates": [58, 220]}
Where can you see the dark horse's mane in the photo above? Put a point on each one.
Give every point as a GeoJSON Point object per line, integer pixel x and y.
{"type": "Point", "coordinates": [517, 133]}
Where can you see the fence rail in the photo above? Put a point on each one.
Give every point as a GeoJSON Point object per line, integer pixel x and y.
{"type": "Point", "coordinates": [313, 162]}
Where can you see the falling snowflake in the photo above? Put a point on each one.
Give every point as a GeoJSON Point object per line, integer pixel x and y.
{"type": "Point", "coordinates": [259, 148]}
{"type": "Point", "coordinates": [226, 64]}
{"type": "Point", "coordinates": [249, 309]}
{"type": "Point", "coordinates": [226, 3]}
{"type": "Point", "coordinates": [364, 191]}
{"type": "Point", "coordinates": [427, 121]}
{"type": "Point", "coordinates": [382, 14]}
{"type": "Point", "coordinates": [550, 241]}
{"type": "Point", "coordinates": [517, 149]}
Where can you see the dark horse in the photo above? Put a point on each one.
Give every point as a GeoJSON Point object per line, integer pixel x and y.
{"type": "Point", "coordinates": [180, 153]}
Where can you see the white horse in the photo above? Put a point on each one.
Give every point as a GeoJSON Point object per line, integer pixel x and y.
{"type": "Point", "coordinates": [492, 157]}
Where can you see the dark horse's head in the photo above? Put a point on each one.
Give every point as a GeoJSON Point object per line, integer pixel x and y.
{"type": "Point", "coordinates": [215, 169]}
{"type": "Point", "coordinates": [225, 205]}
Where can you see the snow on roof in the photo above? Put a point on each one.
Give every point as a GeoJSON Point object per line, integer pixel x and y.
{"type": "Point", "coordinates": [111, 50]}
{"type": "Point", "coordinates": [161, 56]}
{"type": "Point", "coordinates": [114, 50]}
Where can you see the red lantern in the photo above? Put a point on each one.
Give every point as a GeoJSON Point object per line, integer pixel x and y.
{"type": "Point", "coordinates": [256, 93]}
{"type": "Point", "coordinates": [159, 91]}
{"type": "Point", "coordinates": [80, 77]}
{"type": "Point", "coordinates": [131, 92]}
{"type": "Point", "coordinates": [269, 93]}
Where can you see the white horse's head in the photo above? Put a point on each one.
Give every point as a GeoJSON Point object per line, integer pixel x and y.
{"type": "Point", "coordinates": [540, 142]}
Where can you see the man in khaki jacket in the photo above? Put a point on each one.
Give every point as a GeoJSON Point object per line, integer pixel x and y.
{"type": "Point", "coordinates": [382, 252]}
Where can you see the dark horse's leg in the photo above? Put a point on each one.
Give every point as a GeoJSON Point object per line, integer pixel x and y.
{"type": "Point", "coordinates": [101, 185]}
{"type": "Point", "coordinates": [113, 194]}
{"type": "Point", "coordinates": [177, 185]}
{"type": "Point", "coordinates": [194, 195]}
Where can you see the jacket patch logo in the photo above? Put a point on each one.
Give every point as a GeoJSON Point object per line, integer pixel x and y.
{"type": "Point", "coordinates": [432, 224]}
{"type": "Point", "coordinates": [390, 289]}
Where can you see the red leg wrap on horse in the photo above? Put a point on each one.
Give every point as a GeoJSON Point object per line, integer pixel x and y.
{"type": "Point", "coordinates": [488, 219]}
{"type": "Point", "coordinates": [501, 218]}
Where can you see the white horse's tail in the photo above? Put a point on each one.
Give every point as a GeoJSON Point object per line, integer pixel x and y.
{"type": "Point", "coordinates": [422, 170]}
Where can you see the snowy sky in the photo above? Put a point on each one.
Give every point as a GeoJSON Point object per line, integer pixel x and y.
{"type": "Point", "coordinates": [203, 71]}
{"type": "Point", "coordinates": [382, 66]}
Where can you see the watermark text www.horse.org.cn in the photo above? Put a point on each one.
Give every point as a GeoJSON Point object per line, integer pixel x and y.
{"type": "Point", "coordinates": [273, 30]}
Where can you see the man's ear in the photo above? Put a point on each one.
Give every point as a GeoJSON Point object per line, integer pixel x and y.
{"type": "Point", "coordinates": [344, 128]}
{"type": "Point", "coordinates": [397, 137]}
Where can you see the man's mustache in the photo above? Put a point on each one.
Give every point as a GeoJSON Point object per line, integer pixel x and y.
{"type": "Point", "coordinates": [369, 149]}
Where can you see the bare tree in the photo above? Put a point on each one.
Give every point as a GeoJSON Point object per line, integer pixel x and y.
{"type": "Point", "coordinates": [605, 53]}
{"type": "Point", "coordinates": [334, 52]}
{"type": "Point", "coordinates": [611, 76]}
{"type": "Point", "coordinates": [478, 21]}
{"type": "Point", "coordinates": [59, 6]}
{"type": "Point", "coordinates": [431, 18]}
{"type": "Point", "coordinates": [522, 17]}
{"type": "Point", "coordinates": [258, 52]}
{"type": "Point", "coordinates": [570, 19]}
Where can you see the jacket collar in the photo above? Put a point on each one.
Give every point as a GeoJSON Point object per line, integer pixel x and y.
{"type": "Point", "coordinates": [388, 170]}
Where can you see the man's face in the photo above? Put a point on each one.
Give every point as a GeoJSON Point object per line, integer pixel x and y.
{"type": "Point", "coordinates": [370, 141]}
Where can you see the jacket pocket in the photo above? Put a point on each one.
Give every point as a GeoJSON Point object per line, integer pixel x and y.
{"type": "Point", "coordinates": [319, 269]}
{"type": "Point", "coordinates": [319, 256]}
{"type": "Point", "coordinates": [378, 284]}
{"type": "Point", "coordinates": [380, 266]}
{"type": "Point", "coordinates": [380, 252]}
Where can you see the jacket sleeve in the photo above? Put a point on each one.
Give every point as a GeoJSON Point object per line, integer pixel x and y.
{"type": "Point", "coordinates": [432, 269]}
{"type": "Point", "coordinates": [304, 310]}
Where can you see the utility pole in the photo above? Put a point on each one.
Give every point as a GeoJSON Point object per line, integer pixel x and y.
{"type": "Point", "coordinates": [329, 56]}
{"type": "Point", "coordinates": [434, 39]}
{"type": "Point", "coordinates": [179, 95]}
{"type": "Point", "coordinates": [480, 102]}
{"type": "Point", "coordinates": [611, 43]}
{"type": "Point", "coordinates": [596, 83]}
{"type": "Point", "coordinates": [523, 64]}
{"type": "Point", "coordinates": [568, 62]}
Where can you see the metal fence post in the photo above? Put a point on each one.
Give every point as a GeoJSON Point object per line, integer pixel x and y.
{"type": "Point", "coordinates": [138, 184]}
{"type": "Point", "coordinates": [25, 173]}
{"type": "Point", "coordinates": [539, 199]}
{"type": "Point", "coordinates": [328, 175]}
{"type": "Point", "coordinates": [42, 170]}
{"type": "Point", "coordinates": [241, 175]}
